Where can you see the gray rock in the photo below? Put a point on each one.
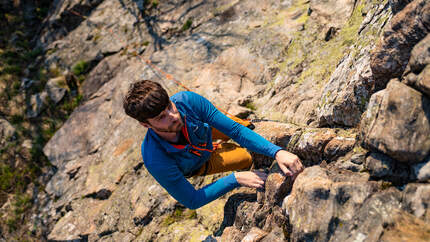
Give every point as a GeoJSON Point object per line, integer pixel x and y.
{"type": "Point", "coordinates": [346, 94]}
{"type": "Point", "coordinates": [232, 51]}
{"type": "Point", "coordinates": [398, 5]}
{"type": "Point", "coordinates": [349, 165]}
{"type": "Point", "coordinates": [359, 158]}
{"type": "Point", "coordinates": [26, 83]}
{"type": "Point", "coordinates": [102, 73]}
{"type": "Point", "coordinates": [407, 28]}
{"type": "Point", "coordinates": [37, 104]}
{"type": "Point", "coordinates": [416, 200]}
{"type": "Point", "coordinates": [420, 56]}
{"type": "Point", "coordinates": [417, 73]}
{"type": "Point", "coordinates": [54, 89]}
{"type": "Point", "coordinates": [322, 201]}
{"type": "Point", "coordinates": [421, 171]}
{"type": "Point", "coordinates": [397, 123]}
{"type": "Point", "coordinates": [310, 145]}
{"type": "Point", "coordinates": [382, 166]}
{"type": "Point", "coordinates": [367, 223]}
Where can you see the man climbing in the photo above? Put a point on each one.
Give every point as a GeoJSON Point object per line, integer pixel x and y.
{"type": "Point", "coordinates": [179, 145]}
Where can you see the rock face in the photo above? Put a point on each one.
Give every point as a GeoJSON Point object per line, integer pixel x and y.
{"type": "Point", "coordinates": [319, 69]}
{"type": "Point", "coordinates": [417, 72]}
{"type": "Point", "coordinates": [321, 200]}
{"type": "Point", "coordinates": [398, 124]}
{"type": "Point", "coordinates": [407, 28]}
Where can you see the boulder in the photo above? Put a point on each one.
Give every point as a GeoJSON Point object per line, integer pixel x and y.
{"type": "Point", "coordinates": [406, 29]}
{"type": "Point", "coordinates": [368, 221]}
{"type": "Point", "coordinates": [406, 227]}
{"type": "Point", "coordinates": [55, 88]}
{"type": "Point", "coordinates": [276, 235]}
{"type": "Point", "coordinates": [254, 235]}
{"type": "Point", "coordinates": [382, 166]}
{"type": "Point", "coordinates": [398, 5]}
{"type": "Point", "coordinates": [339, 146]}
{"type": "Point", "coordinates": [322, 201]}
{"type": "Point", "coordinates": [386, 216]}
{"type": "Point", "coordinates": [277, 186]}
{"type": "Point", "coordinates": [310, 146]}
{"type": "Point", "coordinates": [421, 171]}
{"type": "Point", "coordinates": [416, 200]}
{"type": "Point", "coordinates": [420, 56]}
{"type": "Point", "coordinates": [397, 123]}
{"type": "Point", "coordinates": [37, 104]}
{"type": "Point", "coordinates": [417, 73]}
{"type": "Point", "coordinates": [421, 81]}
{"type": "Point", "coordinates": [231, 234]}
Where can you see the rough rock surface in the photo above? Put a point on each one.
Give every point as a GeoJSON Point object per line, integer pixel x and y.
{"type": "Point", "coordinates": [397, 123]}
{"type": "Point", "coordinates": [382, 166]}
{"type": "Point", "coordinates": [418, 70]}
{"type": "Point", "coordinates": [321, 200]}
{"type": "Point", "coordinates": [407, 28]}
{"type": "Point", "coordinates": [305, 62]}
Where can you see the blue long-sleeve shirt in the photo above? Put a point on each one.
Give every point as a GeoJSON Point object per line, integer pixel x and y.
{"type": "Point", "coordinates": [169, 165]}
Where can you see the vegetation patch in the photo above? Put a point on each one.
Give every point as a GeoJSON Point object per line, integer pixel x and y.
{"type": "Point", "coordinates": [178, 215]}
{"type": "Point", "coordinates": [81, 67]}
{"type": "Point", "coordinates": [187, 25]}
{"type": "Point", "coordinates": [21, 165]}
{"type": "Point", "coordinates": [251, 106]}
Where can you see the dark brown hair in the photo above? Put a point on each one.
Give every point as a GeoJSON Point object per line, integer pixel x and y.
{"type": "Point", "coordinates": [145, 99]}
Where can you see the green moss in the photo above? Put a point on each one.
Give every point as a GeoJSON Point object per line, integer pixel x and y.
{"type": "Point", "coordinates": [32, 54]}
{"type": "Point", "coordinates": [187, 24]}
{"type": "Point", "coordinates": [97, 37]}
{"type": "Point", "coordinates": [49, 131]}
{"type": "Point", "coordinates": [319, 57]}
{"type": "Point", "coordinates": [359, 149]}
{"type": "Point", "coordinates": [12, 69]}
{"type": "Point", "coordinates": [69, 106]}
{"type": "Point", "coordinates": [251, 106]}
{"type": "Point", "coordinates": [16, 119]}
{"type": "Point", "coordinates": [20, 206]}
{"type": "Point", "coordinates": [155, 3]}
{"type": "Point", "coordinates": [81, 67]}
{"type": "Point", "coordinates": [6, 177]}
{"type": "Point", "coordinates": [42, 75]}
{"type": "Point", "coordinates": [178, 215]}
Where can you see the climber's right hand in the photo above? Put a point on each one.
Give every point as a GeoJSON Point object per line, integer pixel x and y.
{"type": "Point", "coordinates": [254, 179]}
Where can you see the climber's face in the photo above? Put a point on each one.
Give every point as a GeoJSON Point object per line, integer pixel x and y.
{"type": "Point", "coordinates": [168, 121]}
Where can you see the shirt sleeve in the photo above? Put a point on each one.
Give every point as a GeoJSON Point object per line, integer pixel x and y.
{"type": "Point", "coordinates": [171, 179]}
{"type": "Point", "coordinates": [239, 133]}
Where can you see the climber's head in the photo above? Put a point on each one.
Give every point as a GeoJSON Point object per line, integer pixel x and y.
{"type": "Point", "coordinates": [149, 103]}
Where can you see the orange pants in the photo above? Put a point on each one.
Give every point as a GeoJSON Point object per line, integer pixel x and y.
{"type": "Point", "coordinates": [226, 157]}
